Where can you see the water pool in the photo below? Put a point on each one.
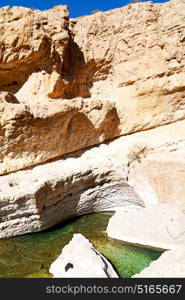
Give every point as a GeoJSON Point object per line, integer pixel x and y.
{"type": "Point", "coordinates": [31, 255]}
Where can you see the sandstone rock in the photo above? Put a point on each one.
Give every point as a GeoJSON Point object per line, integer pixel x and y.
{"type": "Point", "coordinates": [170, 264]}
{"type": "Point", "coordinates": [128, 63]}
{"type": "Point", "coordinates": [163, 174]}
{"type": "Point", "coordinates": [157, 178]}
{"type": "Point", "coordinates": [31, 42]}
{"type": "Point", "coordinates": [67, 85]}
{"type": "Point", "coordinates": [34, 134]}
{"type": "Point", "coordinates": [80, 259]}
{"type": "Point", "coordinates": [135, 56]}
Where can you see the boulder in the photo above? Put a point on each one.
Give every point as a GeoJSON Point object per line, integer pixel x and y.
{"type": "Point", "coordinates": [159, 227]}
{"type": "Point", "coordinates": [79, 259]}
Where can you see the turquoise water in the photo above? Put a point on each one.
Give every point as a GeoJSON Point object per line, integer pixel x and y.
{"type": "Point", "coordinates": [31, 255]}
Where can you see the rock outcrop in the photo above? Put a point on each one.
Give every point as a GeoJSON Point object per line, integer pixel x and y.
{"type": "Point", "coordinates": [79, 259]}
{"type": "Point", "coordinates": [38, 198]}
{"type": "Point", "coordinates": [33, 43]}
{"type": "Point", "coordinates": [134, 55]}
{"type": "Point", "coordinates": [33, 134]}
{"type": "Point", "coordinates": [170, 264]}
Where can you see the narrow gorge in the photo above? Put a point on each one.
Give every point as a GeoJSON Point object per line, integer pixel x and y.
{"type": "Point", "coordinates": [92, 141]}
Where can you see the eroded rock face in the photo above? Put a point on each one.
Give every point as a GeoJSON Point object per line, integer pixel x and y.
{"type": "Point", "coordinates": [91, 180]}
{"type": "Point", "coordinates": [35, 199]}
{"type": "Point", "coordinates": [117, 72]}
{"type": "Point", "coordinates": [31, 42]}
{"type": "Point", "coordinates": [158, 179]}
{"type": "Point", "coordinates": [33, 134]}
{"type": "Point", "coordinates": [79, 259]}
{"type": "Point", "coordinates": [67, 85]}
{"type": "Point", "coordinates": [135, 55]}
{"type": "Point", "coordinates": [164, 174]}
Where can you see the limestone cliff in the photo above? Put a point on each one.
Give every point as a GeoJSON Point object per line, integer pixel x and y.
{"type": "Point", "coordinates": [79, 82]}
{"type": "Point", "coordinates": [135, 57]}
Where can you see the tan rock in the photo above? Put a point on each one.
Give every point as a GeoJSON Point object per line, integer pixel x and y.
{"type": "Point", "coordinates": [138, 60]}
{"type": "Point", "coordinates": [37, 133]}
{"type": "Point", "coordinates": [31, 42]}
{"type": "Point", "coordinates": [170, 264]}
{"type": "Point", "coordinates": [158, 179]}
{"type": "Point", "coordinates": [67, 85]}
{"type": "Point", "coordinates": [164, 174]}
{"type": "Point", "coordinates": [128, 63]}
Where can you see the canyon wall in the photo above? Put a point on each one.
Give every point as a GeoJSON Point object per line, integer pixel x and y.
{"type": "Point", "coordinates": [78, 97]}
{"type": "Point", "coordinates": [68, 84]}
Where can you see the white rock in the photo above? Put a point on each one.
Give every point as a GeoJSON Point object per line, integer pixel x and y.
{"type": "Point", "coordinates": [158, 227]}
{"type": "Point", "coordinates": [170, 264]}
{"type": "Point", "coordinates": [80, 259]}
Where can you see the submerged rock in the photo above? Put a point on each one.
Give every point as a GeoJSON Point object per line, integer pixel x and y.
{"type": "Point", "coordinates": [79, 259]}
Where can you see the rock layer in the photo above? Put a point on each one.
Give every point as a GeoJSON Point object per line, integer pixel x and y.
{"type": "Point", "coordinates": [135, 55]}
{"type": "Point", "coordinates": [32, 42]}
{"type": "Point", "coordinates": [158, 179]}
{"type": "Point", "coordinates": [31, 135]}
{"type": "Point", "coordinates": [38, 198]}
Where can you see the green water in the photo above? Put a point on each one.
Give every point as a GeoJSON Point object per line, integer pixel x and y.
{"type": "Point", "coordinates": [31, 255]}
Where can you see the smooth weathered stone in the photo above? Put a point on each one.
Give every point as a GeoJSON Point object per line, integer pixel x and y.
{"type": "Point", "coordinates": [34, 134]}
{"type": "Point", "coordinates": [158, 227]}
{"type": "Point", "coordinates": [170, 264]}
{"type": "Point", "coordinates": [92, 180]}
{"type": "Point", "coordinates": [35, 199]}
{"type": "Point", "coordinates": [161, 175]}
{"type": "Point", "coordinates": [80, 259]}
